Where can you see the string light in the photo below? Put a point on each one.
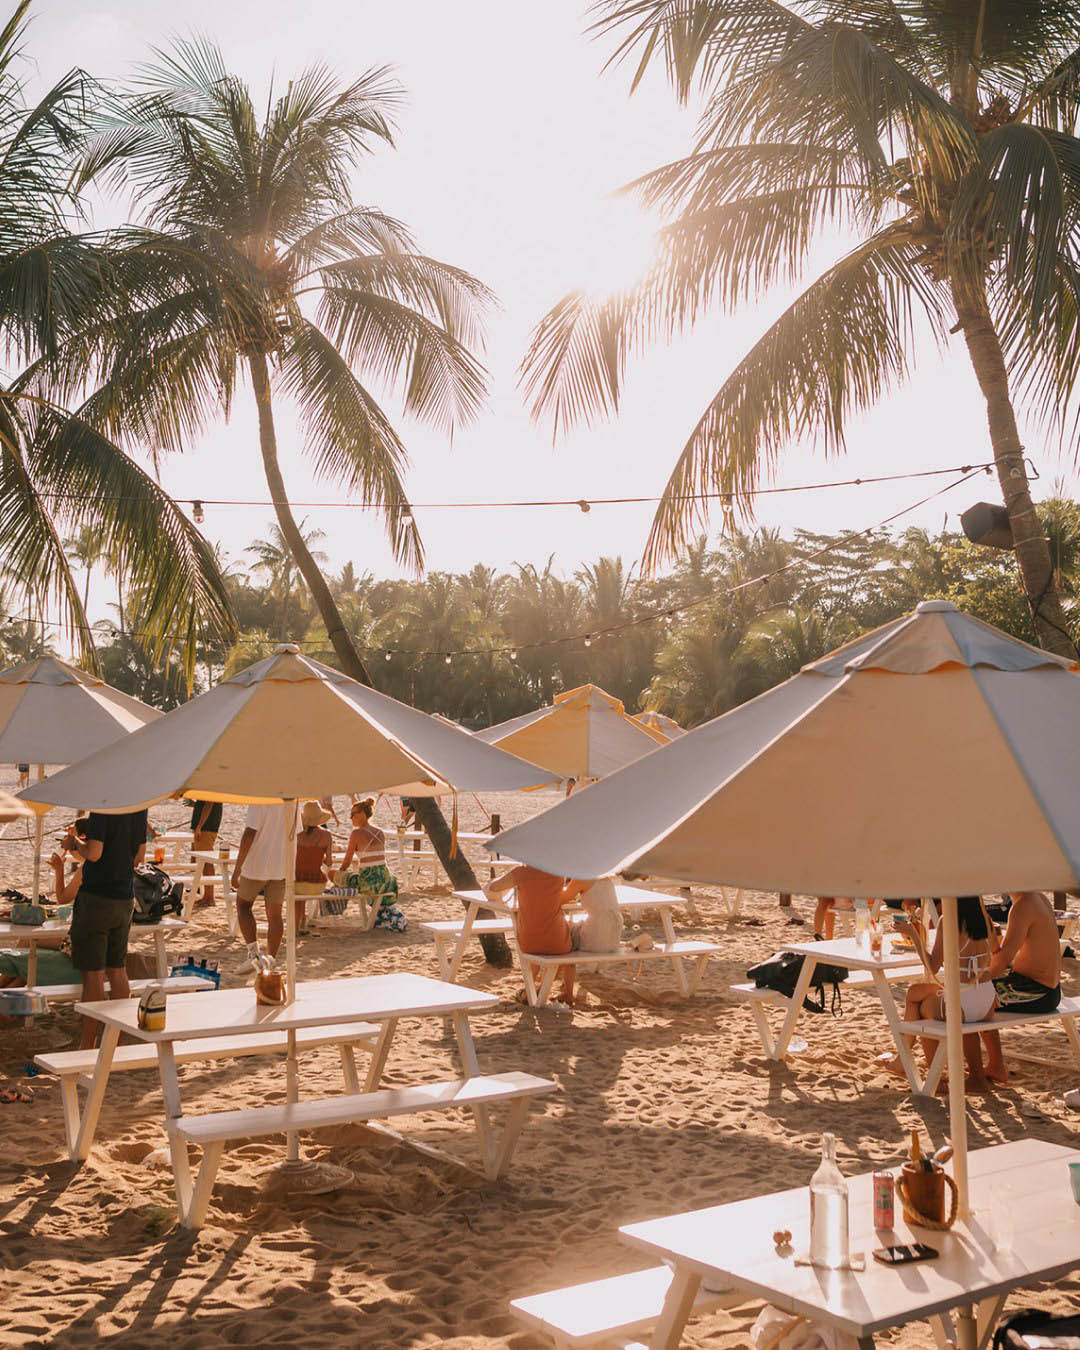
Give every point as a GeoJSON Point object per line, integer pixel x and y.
{"type": "Point", "coordinates": [198, 515]}
{"type": "Point", "coordinates": [612, 629]}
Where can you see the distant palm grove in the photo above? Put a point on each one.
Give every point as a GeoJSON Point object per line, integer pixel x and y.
{"type": "Point", "coordinates": [711, 648]}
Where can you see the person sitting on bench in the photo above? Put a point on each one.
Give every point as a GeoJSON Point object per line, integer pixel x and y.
{"type": "Point", "coordinates": [1026, 969]}
{"type": "Point", "coordinates": [539, 921]}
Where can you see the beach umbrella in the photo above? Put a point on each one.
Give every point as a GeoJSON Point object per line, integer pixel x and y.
{"type": "Point", "coordinates": [583, 734]}
{"type": "Point", "coordinates": [658, 721]}
{"type": "Point", "coordinates": [283, 730]}
{"type": "Point", "coordinates": [53, 713]}
{"type": "Point", "coordinates": [933, 755]}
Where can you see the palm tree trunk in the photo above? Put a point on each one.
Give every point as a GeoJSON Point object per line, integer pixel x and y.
{"type": "Point", "coordinates": [428, 813]}
{"type": "Point", "coordinates": [1030, 544]}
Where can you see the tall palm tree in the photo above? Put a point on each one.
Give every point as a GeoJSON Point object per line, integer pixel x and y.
{"type": "Point", "coordinates": [84, 550]}
{"type": "Point", "coordinates": [58, 478]}
{"type": "Point", "coordinates": [943, 134]}
{"type": "Point", "coordinates": [281, 278]}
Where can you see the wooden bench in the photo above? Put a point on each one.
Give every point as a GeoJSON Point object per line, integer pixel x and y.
{"type": "Point", "coordinates": [612, 1312]}
{"type": "Point", "coordinates": [447, 934]}
{"type": "Point", "coordinates": [856, 980]}
{"type": "Point", "coordinates": [212, 1132]}
{"type": "Point", "coordinates": [74, 1067]}
{"type": "Point", "coordinates": [675, 952]}
{"type": "Point", "coordinates": [172, 984]}
{"type": "Point", "coordinates": [1066, 1012]}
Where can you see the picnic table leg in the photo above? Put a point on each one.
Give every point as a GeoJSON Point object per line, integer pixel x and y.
{"type": "Point", "coordinates": [697, 974]}
{"type": "Point", "coordinates": [348, 1068]}
{"type": "Point", "coordinates": [160, 958]}
{"type": "Point", "coordinates": [228, 896]}
{"type": "Point", "coordinates": [676, 961]}
{"type": "Point", "coordinates": [764, 1031]}
{"type": "Point", "coordinates": [787, 1029]}
{"type": "Point", "coordinates": [677, 1304]}
{"type": "Point", "coordinates": [378, 1056]}
{"type": "Point", "coordinates": [191, 889]}
{"type": "Point", "coordinates": [514, 1121]}
{"type": "Point", "coordinates": [95, 1095]}
{"type": "Point", "coordinates": [529, 980]}
{"type": "Point", "coordinates": [1069, 1024]}
{"type": "Point", "coordinates": [903, 1050]}
{"type": "Point", "coordinates": [200, 1195]}
{"type": "Point", "coordinates": [31, 963]}
{"type": "Point", "coordinates": [933, 1074]}
{"type": "Point", "coordinates": [546, 981]}
{"type": "Point", "coordinates": [467, 1051]}
{"type": "Point", "coordinates": [987, 1314]}
{"type": "Point", "coordinates": [466, 932]}
{"type": "Point", "coordinates": [170, 1090]}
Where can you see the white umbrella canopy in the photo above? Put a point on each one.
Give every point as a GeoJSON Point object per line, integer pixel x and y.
{"type": "Point", "coordinates": [584, 733]}
{"type": "Point", "coordinates": [283, 729]}
{"type": "Point", "coordinates": [53, 713]}
{"type": "Point", "coordinates": [934, 756]}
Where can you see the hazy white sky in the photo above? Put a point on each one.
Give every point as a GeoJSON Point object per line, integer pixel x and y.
{"type": "Point", "coordinates": [509, 148]}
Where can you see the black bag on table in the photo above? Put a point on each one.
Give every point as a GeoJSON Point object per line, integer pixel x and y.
{"type": "Point", "coordinates": [781, 972]}
{"type": "Point", "coordinates": [156, 895]}
{"type": "Point", "coordinates": [1034, 1330]}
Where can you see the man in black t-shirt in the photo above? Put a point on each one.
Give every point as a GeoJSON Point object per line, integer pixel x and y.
{"type": "Point", "coordinates": [101, 919]}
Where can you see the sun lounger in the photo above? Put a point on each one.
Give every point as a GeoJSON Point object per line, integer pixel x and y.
{"type": "Point", "coordinates": [612, 1312]}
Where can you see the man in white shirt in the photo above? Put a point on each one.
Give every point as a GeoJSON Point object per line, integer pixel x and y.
{"type": "Point", "coordinates": [260, 870]}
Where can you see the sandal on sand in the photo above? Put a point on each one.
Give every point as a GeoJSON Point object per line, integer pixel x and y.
{"type": "Point", "coordinates": [10, 1095]}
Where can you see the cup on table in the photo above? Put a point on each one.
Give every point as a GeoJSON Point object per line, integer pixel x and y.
{"type": "Point", "coordinates": [1074, 1180]}
{"type": "Point", "coordinates": [159, 853]}
{"type": "Point", "coordinates": [223, 852]}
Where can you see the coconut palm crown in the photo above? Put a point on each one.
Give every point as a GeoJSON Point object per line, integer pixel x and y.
{"type": "Point", "coordinates": [58, 476]}
{"type": "Point", "coordinates": [941, 134]}
{"type": "Point", "coordinates": [279, 276]}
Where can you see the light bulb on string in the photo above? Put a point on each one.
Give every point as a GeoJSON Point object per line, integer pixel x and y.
{"type": "Point", "coordinates": [446, 658]}
{"type": "Point", "coordinates": [588, 639]}
{"type": "Point", "coordinates": [198, 515]}
{"type": "Point", "coordinates": [513, 656]}
{"type": "Point", "coordinates": [388, 656]}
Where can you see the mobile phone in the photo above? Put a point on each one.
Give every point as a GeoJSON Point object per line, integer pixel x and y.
{"type": "Point", "coordinates": [904, 1255]}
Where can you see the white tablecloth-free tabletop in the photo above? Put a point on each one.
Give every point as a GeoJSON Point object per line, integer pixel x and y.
{"type": "Point", "coordinates": [51, 927]}
{"type": "Point", "coordinates": [733, 1244]}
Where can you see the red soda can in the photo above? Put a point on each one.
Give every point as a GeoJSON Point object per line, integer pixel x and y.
{"type": "Point", "coordinates": [884, 1201]}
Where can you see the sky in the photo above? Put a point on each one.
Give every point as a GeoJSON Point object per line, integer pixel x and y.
{"type": "Point", "coordinates": [511, 145]}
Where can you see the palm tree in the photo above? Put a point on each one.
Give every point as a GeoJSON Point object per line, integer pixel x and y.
{"type": "Point", "coordinates": [279, 276]}
{"type": "Point", "coordinates": [944, 133]}
{"type": "Point", "coordinates": [84, 550]}
{"type": "Point", "coordinates": [58, 478]}
{"type": "Point", "coordinates": [275, 559]}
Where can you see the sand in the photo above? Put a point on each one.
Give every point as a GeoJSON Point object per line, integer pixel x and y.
{"type": "Point", "coordinates": [663, 1105]}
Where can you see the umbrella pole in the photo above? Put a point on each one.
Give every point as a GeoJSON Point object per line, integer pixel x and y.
{"type": "Point", "coordinates": [954, 1052]}
{"type": "Point", "coordinates": [292, 1075]}
{"type": "Point", "coordinates": [35, 890]}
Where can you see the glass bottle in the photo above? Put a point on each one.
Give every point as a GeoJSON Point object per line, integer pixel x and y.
{"type": "Point", "coordinates": [829, 1211]}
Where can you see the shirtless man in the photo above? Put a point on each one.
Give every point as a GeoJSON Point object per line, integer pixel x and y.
{"type": "Point", "coordinates": [1026, 969]}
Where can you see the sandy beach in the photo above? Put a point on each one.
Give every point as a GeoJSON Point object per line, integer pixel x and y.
{"type": "Point", "coordinates": [664, 1104]}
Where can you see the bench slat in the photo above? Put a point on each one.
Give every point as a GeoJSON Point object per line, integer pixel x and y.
{"type": "Point", "coordinates": [1001, 1021]}
{"type": "Point", "coordinates": [172, 984]}
{"type": "Point", "coordinates": [141, 1056]}
{"type": "Point", "coordinates": [259, 1121]}
{"type": "Point", "coordinates": [660, 950]}
{"type": "Point", "coordinates": [595, 1313]}
{"type": "Point", "coordinates": [454, 927]}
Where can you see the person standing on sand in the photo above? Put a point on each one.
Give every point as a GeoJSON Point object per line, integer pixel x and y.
{"type": "Point", "coordinates": [110, 850]}
{"type": "Point", "coordinates": [260, 870]}
{"type": "Point", "coordinates": [539, 922]}
{"type": "Point", "coordinates": [205, 824]}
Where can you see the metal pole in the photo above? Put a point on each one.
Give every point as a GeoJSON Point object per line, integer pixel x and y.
{"type": "Point", "coordinates": [290, 897]}
{"type": "Point", "coordinates": [954, 1052]}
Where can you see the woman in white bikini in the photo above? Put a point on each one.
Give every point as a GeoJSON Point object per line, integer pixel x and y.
{"type": "Point", "coordinates": [978, 996]}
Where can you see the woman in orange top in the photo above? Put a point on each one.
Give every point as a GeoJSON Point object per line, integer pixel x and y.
{"type": "Point", "coordinates": [539, 919]}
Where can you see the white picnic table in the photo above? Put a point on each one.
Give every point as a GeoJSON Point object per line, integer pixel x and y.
{"type": "Point", "coordinates": [176, 843]}
{"type": "Point", "coordinates": [61, 927]}
{"type": "Point", "coordinates": [380, 999]}
{"type": "Point", "coordinates": [630, 899]}
{"type": "Point", "coordinates": [214, 860]}
{"type": "Point", "coordinates": [731, 1246]}
{"type": "Point", "coordinates": [896, 962]}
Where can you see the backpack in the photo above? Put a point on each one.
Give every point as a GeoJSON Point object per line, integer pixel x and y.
{"type": "Point", "coordinates": [156, 894]}
{"type": "Point", "coordinates": [1032, 1328]}
{"type": "Point", "coordinates": [781, 972]}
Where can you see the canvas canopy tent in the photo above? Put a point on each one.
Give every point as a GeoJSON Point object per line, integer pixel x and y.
{"type": "Point", "coordinates": [584, 734]}
{"type": "Point", "coordinates": [658, 721]}
{"type": "Point", "coordinates": [53, 713]}
{"type": "Point", "coordinates": [934, 756]}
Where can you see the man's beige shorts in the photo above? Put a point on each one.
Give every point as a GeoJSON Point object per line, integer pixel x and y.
{"type": "Point", "coordinates": [250, 888]}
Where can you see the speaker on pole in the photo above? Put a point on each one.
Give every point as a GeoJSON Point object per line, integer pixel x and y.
{"type": "Point", "coordinates": [987, 524]}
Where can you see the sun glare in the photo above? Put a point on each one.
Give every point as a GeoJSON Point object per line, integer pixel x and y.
{"type": "Point", "coordinates": [615, 246]}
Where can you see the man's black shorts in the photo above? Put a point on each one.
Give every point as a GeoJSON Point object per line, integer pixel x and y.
{"type": "Point", "coordinates": [99, 932]}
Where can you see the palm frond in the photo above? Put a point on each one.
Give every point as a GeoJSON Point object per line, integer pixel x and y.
{"type": "Point", "coordinates": [357, 230]}
{"type": "Point", "coordinates": [351, 441]}
{"type": "Point", "coordinates": [845, 341]}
